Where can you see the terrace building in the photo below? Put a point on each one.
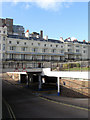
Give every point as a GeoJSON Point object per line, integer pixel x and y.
{"type": "Point", "coordinates": [18, 48]}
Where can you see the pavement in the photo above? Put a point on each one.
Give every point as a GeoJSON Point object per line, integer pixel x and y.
{"type": "Point", "coordinates": [80, 102]}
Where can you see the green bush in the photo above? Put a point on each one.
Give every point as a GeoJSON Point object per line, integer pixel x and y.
{"type": "Point", "coordinates": [65, 66]}
{"type": "Point", "coordinates": [71, 65]}
{"type": "Point", "coordinates": [77, 65]}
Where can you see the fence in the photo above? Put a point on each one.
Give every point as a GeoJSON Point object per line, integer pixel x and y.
{"type": "Point", "coordinates": [26, 65]}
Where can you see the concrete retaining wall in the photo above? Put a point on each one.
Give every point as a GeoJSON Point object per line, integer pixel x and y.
{"type": "Point", "coordinates": [78, 86]}
{"type": "Point", "coordinates": [16, 76]}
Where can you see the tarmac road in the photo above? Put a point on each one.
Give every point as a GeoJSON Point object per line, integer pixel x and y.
{"type": "Point", "coordinates": [19, 102]}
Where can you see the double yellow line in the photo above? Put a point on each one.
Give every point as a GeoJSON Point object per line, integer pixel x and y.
{"type": "Point", "coordinates": [10, 111]}
{"type": "Point", "coordinates": [69, 105]}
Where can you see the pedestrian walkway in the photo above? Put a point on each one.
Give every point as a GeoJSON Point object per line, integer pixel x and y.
{"type": "Point", "coordinates": [81, 102]}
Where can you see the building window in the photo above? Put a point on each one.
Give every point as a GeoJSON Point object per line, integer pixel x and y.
{"type": "Point", "coordinates": [77, 46]}
{"type": "Point", "coordinates": [53, 50]}
{"type": "Point", "coordinates": [84, 47]}
{"type": "Point", "coordinates": [51, 45]}
{"type": "Point", "coordinates": [34, 50]}
{"type": "Point", "coordinates": [84, 51]}
{"type": "Point", "coordinates": [25, 43]}
{"type": "Point", "coordinates": [23, 56]}
{"type": "Point", "coordinates": [9, 42]}
{"type": "Point", "coordinates": [77, 57]}
{"type": "Point", "coordinates": [34, 57]}
{"type": "Point", "coordinates": [38, 44]}
{"type": "Point", "coordinates": [23, 49]}
{"type": "Point", "coordinates": [8, 24]}
{"type": "Point", "coordinates": [3, 46]}
{"type": "Point", "coordinates": [32, 43]}
{"type": "Point", "coordinates": [3, 55]}
{"type": "Point", "coordinates": [77, 50]}
{"type": "Point", "coordinates": [0, 31]}
{"type": "Point", "coordinates": [43, 57]}
{"type": "Point", "coordinates": [3, 38]}
{"type": "Point", "coordinates": [69, 45]}
{"type": "Point", "coordinates": [52, 57]}
{"type": "Point", "coordinates": [62, 51]}
{"type": "Point", "coordinates": [56, 45]}
{"type": "Point", "coordinates": [61, 46]}
{"type": "Point", "coordinates": [11, 56]}
{"type": "Point", "coordinates": [69, 50]}
{"type": "Point", "coordinates": [45, 45]}
{"type": "Point", "coordinates": [12, 48]}
{"type": "Point", "coordinates": [17, 42]}
{"type": "Point", "coordinates": [3, 31]}
{"type": "Point", "coordinates": [44, 50]}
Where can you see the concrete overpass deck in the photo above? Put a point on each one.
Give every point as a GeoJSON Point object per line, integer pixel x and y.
{"type": "Point", "coordinates": [47, 72]}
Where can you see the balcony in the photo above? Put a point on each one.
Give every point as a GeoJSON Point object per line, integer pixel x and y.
{"type": "Point", "coordinates": [70, 53]}
{"type": "Point", "coordinates": [16, 59]}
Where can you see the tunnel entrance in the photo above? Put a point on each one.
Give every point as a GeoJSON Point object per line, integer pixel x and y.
{"type": "Point", "coordinates": [50, 79]}
{"type": "Point", "coordinates": [49, 83]}
{"type": "Point", "coordinates": [23, 78]}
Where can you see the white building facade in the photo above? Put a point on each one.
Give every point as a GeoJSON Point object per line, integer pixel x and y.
{"type": "Point", "coordinates": [19, 48]}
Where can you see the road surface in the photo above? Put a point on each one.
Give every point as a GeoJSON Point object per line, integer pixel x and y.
{"type": "Point", "coordinates": [19, 102]}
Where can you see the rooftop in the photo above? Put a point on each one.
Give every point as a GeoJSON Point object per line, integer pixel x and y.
{"type": "Point", "coordinates": [41, 39]}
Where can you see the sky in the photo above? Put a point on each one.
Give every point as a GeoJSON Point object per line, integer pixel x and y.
{"type": "Point", "coordinates": [59, 19]}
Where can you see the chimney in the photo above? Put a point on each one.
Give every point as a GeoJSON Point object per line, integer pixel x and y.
{"type": "Point", "coordinates": [41, 34]}
{"type": "Point", "coordinates": [61, 39]}
{"type": "Point", "coordinates": [46, 37]}
{"type": "Point", "coordinates": [69, 39]}
{"type": "Point", "coordinates": [83, 40]}
{"type": "Point", "coordinates": [27, 34]}
{"type": "Point", "coordinates": [75, 39]}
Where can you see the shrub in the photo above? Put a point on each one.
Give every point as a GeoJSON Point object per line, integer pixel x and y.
{"type": "Point", "coordinates": [71, 65]}
{"type": "Point", "coordinates": [77, 65]}
{"type": "Point", "coordinates": [65, 66]}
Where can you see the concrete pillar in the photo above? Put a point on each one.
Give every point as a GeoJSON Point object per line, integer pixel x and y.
{"type": "Point", "coordinates": [40, 82]}
{"type": "Point", "coordinates": [58, 81]}
{"type": "Point", "coordinates": [43, 80]}
{"type": "Point", "coordinates": [13, 76]}
{"type": "Point", "coordinates": [28, 77]}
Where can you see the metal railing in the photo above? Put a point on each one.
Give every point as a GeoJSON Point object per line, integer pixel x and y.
{"type": "Point", "coordinates": [24, 65]}
{"type": "Point", "coordinates": [16, 59]}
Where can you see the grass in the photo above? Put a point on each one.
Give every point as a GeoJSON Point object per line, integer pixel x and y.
{"type": "Point", "coordinates": [78, 69]}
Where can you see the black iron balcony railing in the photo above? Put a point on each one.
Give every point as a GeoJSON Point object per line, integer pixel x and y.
{"type": "Point", "coordinates": [16, 59]}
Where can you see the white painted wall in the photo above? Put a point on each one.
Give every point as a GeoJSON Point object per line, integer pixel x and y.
{"type": "Point", "coordinates": [74, 74]}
